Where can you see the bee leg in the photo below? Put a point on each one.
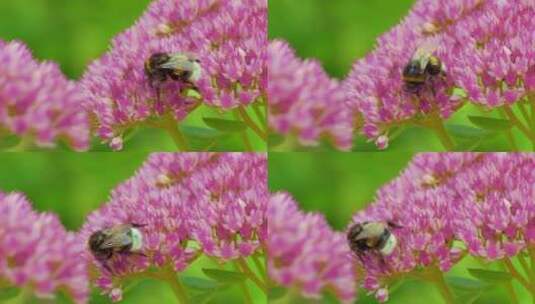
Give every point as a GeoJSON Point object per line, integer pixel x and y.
{"type": "Point", "coordinates": [158, 93]}
{"type": "Point", "coordinates": [104, 263]}
{"type": "Point", "coordinates": [393, 225]}
{"type": "Point", "coordinates": [361, 258]}
{"type": "Point", "coordinates": [138, 225]}
{"type": "Point", "coordinates": [194, 87]}
{"type": "Point", "coordinates": [383, 263]}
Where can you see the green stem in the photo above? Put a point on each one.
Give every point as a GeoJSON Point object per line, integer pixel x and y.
{"type": "Point", "coordinates": [531, 100]}
{"type": "Point", "coordinates": [25, 144]}
{"type": "Point", "coordinates": [245, 138]}
{"type": "Point", "coordinates": [437, 125]}
{"type": "Point", "coordinates": [512, 117]}
{"type": "Point", "coordinates": [243, 286]}
{"type": "Point", "coordinates": [260, 267]}
{"type": "Point", "coordinates": [250, 274]}
{"type": "Point", "coordinates": [524, 112]}
{"type": "Point", "coordinates": [531, 252]}
{"type": "Point", "coordinates": [260, 115]}
{"type": "Point", "coordinates": [516, 275]}
{"type": "Point", "coordinates": [526, 267]}
{"type": "Point", "coordinates": [509, 135]}
{"type": "Point", "coordinates": [176, 285]}
{"type": "Point", "coordinates": [25, 296]}
{"type": "Point", "coordinates": [171, 126]}
{"type": "Point", "coordinates": [512, 294]}
{"type": "Point", "coordinates": [251, 124]}
{"type": "Point", "coordinates": [438, 278]}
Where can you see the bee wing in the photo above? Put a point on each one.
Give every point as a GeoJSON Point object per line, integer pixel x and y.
{"type": "Point", "coordinates": [117, 236]}
{"type": "Point", "coordinates": [178, 62]}
{"type": "Point", "coordinates": [424, 52]}
{"type": "Point", "coordinates": [372, 230]}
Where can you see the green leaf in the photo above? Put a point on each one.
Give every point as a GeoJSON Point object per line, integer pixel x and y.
{"type": "Point", "coordinates": [201, 139]}
{"type": "Point", "coordinates": [468, 297]}
{"type": "Point", "coordinates": [276, 293]}
{"type": "Point", "coordinates": [199, 283]}
{"type": "Point", "coordinates": [202, 297]}
{"type": "Point", "coordinates": [463, 284]}
{"type": "Point", "coordinates": [224, 276]}
{"type": "Point", "coordinates": [9, 292]}
{"type": "Point", "coordinates": [466, 133]}
{"type": "Point", "coordinates": [468, 138]}
{"type": "Point", "coordinates": [225, 125]}
{"type": "Point", "coordinates": [275, 140]}
{"type": "Point", "coordinates": [490, 276]}
{"type": "Point", "coordinates": [491, 124]}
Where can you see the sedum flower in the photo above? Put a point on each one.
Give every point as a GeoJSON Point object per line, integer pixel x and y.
{"type": "Point", "coordinates": [36, 253]}
{"type": "Point", "coordinates": [189, 204]}
{"type": "Point", "coordinates": [37, 102]}
{"type": "Point", "coordinates": [304, 101]}
{"type": "Point", "coordinates": [450, 204]}
{"type": "Point", "coordinates": [304, 253]}
{"type": "Point", "coordinates": [227, 36]}
{"type": "Point", "coordinates": [489, 55]}
{"type": "Point", "coordinates": [482, 46]}
{"type": "Point", "coordinates": [496, 214]}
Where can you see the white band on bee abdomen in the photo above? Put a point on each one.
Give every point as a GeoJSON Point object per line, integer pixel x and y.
{"type": "Point", "coordinates": [137, 239]}
{"type": "Point", "coordinates": [391, 243]}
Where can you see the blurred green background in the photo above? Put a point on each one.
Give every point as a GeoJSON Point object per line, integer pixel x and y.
{"type": "Point", "coordinates": [340, 184]}
{"type": "Point", "coordinates": [74, 184]}
{"type": "Point", "coordinates": [76, 32]}
{"type": "Point", "coordinates": [341, 31]}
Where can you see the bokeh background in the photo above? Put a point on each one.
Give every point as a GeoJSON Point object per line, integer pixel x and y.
{"type": "Point", "coordinates": [76, 32]}
{"type": "Point", "coordinates": [74, 184]}
{"type": "Point", "coordinates": [341, 31]}
{"type": "Point", "coordinates": [340, 184]}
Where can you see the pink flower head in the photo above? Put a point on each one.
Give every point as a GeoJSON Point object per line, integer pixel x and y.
{"type": "Point", "coordinates": [481, 46]}
{"type": "Point", "coordinates": [481, 200]}
{"type": "Point", "coordinates": [303, 252]}
{"type": "Point", "coordinates": [490, 54]}
{"type": "Point", "coordinates": [37, 253]}
{"type": "Point", "coordinates": [303, 100]}
{"type": "Point", "coordinates": [188, 204]}
{"type": "Point", "coordinates": [495, 212]}
{"type": "Point", "coordinates": [38, 102]}
{"type": "Point", "coordinates": [229, 39]}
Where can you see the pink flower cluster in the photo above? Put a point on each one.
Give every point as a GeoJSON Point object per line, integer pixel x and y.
{"type": "Point", "coordinates": [37, 101]}
{"type": "Point", "coordinates": [483, 46]}
{"type": "Point", "coordinates": [304, 101]}
{"type": "Point", "coordinates": [305, 253]}
{"type": "Point", "coordinates": [484, 201]}
{"type": "Point", "coordinates": [189, 204]}
{"type": "Point", "coordinates": [38, 254]}
{"type": "Point", "coordinates": [227, 36]}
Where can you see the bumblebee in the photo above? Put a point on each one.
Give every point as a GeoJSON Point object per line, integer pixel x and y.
{"type": "Point", "coordinates": [374, 237]}
{"type": "Point", "coordinates": [122, 239]}
{"type": "Point", "coordinates": [421, 67]}
{"type": "Point", "coordinates": [182, 67]}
